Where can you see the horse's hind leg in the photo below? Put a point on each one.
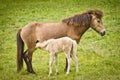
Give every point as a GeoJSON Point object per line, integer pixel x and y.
{"type": "Point", "coordinates": [25, 59]}
{"type": "Point", "coordinates": [28, 61]}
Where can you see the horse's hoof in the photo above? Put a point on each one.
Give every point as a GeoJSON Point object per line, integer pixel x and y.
{"type": "Point", "coordinates": [31, 72]}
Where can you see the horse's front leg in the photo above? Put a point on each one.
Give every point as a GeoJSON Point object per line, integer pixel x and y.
{"type": "Point", "coordinates": [28, 61]}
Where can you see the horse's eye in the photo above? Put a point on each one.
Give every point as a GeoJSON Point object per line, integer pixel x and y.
{"type": "Point", "coordinates": [98, 21]}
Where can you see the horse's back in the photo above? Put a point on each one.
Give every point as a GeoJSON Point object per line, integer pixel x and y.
{"type": "Point", "coordinates": [42, 31]}
{"type": "Point", "coordinates": [51, 30]}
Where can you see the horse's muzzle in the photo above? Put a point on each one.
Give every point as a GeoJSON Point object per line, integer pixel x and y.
{"type": "Point", "coordinates": [102, 32]}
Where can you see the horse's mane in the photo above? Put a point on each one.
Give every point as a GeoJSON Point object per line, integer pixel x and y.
{"type": "Point", "coordinates": [84, 18]}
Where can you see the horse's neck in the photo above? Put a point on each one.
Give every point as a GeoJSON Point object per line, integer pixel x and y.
{"type": "Point", "coordinates": [82, 30]}
{"type": "Point", "coordinates": [77, 32]}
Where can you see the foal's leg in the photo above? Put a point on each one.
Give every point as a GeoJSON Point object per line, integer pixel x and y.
{"type": "Point", "coordinates": [66, 66]}
{"type": "Point", "coordinates": [28, 61]}
{"type": "Point", "coordinates": [74, 57]}
{"type": "Point", "coordinates": [68, 59]}
{"type": "Point", "coordinates": [56, 64]}
{"type": "Point", "coordinates": [50, 63]}
{"type": "Point", "coordinates": [65, 69]}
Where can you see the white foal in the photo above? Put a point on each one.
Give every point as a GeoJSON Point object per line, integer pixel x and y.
{"type": "Point", "coordinates": [53, 46]}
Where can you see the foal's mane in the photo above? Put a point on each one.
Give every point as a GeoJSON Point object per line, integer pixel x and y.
{"type": "Point", "coordinates": [84, 18]}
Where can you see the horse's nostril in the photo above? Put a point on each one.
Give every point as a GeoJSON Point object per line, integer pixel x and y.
{"type": "Point", "coordinates": [102, 33]}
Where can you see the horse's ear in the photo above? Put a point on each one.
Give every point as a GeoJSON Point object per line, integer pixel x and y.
{"type": "Point", "coordinates": [92, 13]}
{"type": "Point", "coordinates": [95, 13]}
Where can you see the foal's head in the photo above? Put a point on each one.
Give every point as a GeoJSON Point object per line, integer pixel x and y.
{"type": "Point", "coordinates": [96, 21]}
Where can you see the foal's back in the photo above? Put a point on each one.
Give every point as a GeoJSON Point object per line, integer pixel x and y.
{"type": "Point", "coordinates": [60, 44]}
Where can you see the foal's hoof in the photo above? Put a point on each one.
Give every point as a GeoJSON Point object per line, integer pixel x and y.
{"type": "Point", "coordinates": [50, 74]}
{"type": "Point", "coordinates": [67, 73]}
{"type": "Point", "coordinates": [57, 73]}
{"type": "Point", "coordinates": [66, 70]}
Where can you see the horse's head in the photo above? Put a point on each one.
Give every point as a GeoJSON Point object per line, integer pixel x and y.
{"type": "Point", "coordinates": [96, 21]}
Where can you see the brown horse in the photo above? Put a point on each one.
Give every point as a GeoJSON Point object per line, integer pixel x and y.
{"type": "Point", "coordinates": [73, 27]}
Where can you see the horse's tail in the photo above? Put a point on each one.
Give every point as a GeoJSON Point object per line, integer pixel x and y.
{"type": "Point", "coordinates": [20, 49]}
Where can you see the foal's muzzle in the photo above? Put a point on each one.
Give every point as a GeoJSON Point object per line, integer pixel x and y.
{"type": "Point", "coordinates": [102, 32]}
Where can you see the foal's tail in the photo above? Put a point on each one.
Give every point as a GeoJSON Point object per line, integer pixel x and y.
{"type": "Point", "coordinates": [20, 49]}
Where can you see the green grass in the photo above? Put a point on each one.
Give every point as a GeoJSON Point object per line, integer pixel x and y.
{"type": "Point", "coordinates": [99, 57]}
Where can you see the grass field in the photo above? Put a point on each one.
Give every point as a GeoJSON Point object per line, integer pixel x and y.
{"type": "Point", "coordinates": [99, 57]}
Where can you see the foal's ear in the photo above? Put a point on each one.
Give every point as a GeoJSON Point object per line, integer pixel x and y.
{"type": "Point", "coordinates": [37, 41]}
